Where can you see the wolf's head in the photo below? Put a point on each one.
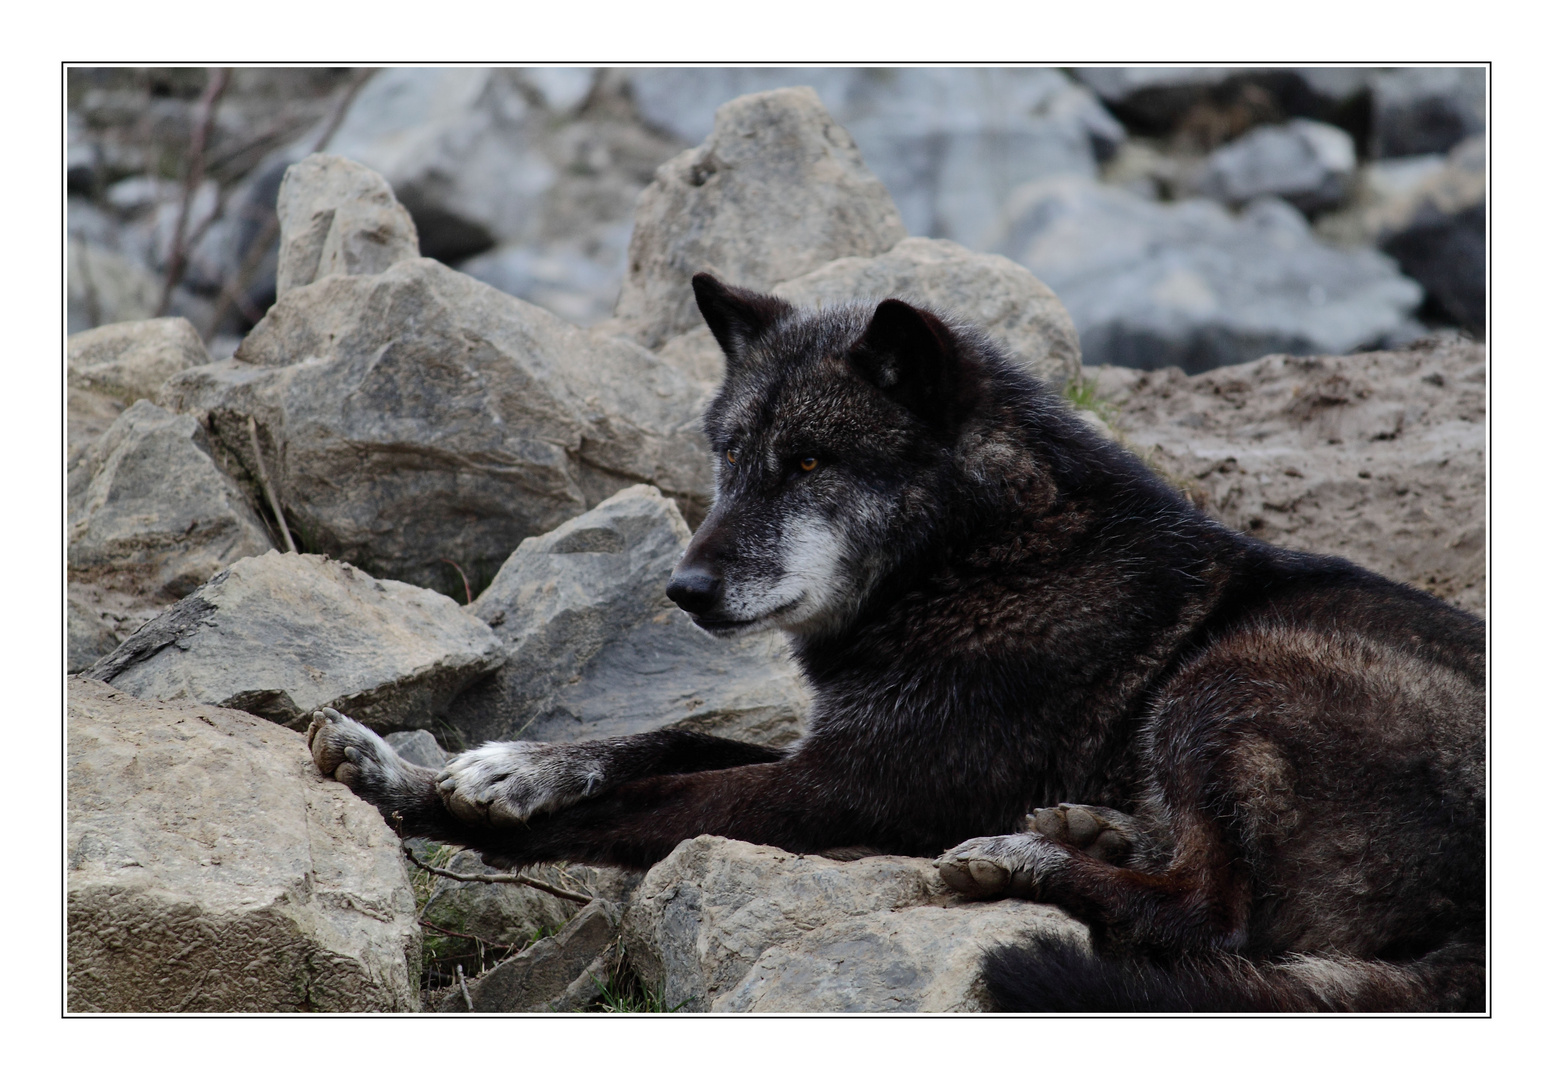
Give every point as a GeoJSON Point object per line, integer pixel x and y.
{"type": "Point", "coordinates": [836, 436]}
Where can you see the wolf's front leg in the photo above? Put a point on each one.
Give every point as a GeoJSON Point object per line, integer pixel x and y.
{"type": "Point", "coordinates": [505, 783]}
{"type": "Point", "coordinates": [405, 794]}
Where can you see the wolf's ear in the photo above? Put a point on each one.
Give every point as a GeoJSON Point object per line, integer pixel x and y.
{"type": "Point", "coordinates": [910, 355]}
{"type": "Point", "coordinates": [735, 316]}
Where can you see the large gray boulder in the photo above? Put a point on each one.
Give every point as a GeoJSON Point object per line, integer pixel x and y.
{"type": "Point", "coordinates": [150, 512]}
{"type": "Point", "coordinates": [775, 191]}
{"type": "Point", "coordinates": [725, 926]}
{"type": "Point", "coordinates": [1307, 163]}
{"type": "Point", "coordinates": [1189, 284]}
{"type": "Point", "coordinates": [1426, 110]}
{"type": "Point", "coordinates": [211, 869]}
{"type": "Point", "coordinates": [338, 217]}
{"type": "Point", "coordinates": [1378, 457]}
{"type": "Point", "coordinates": [989, 291]}
{"type": "Point", "coordinates": [950, 144]}
{"type": "Point", "coordinates": [595, 648]}
{"type": "Point", "coordinates": [418, 416]}
{"type": "Point", "coordinates": [282, 635]}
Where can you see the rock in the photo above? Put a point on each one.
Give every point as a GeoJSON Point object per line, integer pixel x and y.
{"type": "Point", "coordinates": [150, 512]}
{"type": "Point", "coordinates": [456, 146]}
{"type": "Point", "coordinates": [508, 914]}
{"type": "Point", "coordinates": [777, 190]}
{"type": "Point", "coordinates": [1304, 162]}
{"type": "Point", "coordinates": [102, 287]}
{"type": "Point", "coordinates": [988, 291]}
{"type": "Point", "coordinates": [338, 217]}
{"type": "Point", "coordinates": [211, 869]}
{"type": "Point", "coordinates": [130, 360]}
{"type": "Point", "coordinates": [949, 143]}
{"type": "Point", "coordinates": [1377, 457]}
{"type": "Point", "coordinates": [88, 637]}
{"type": "Point", "coordinates": [1190, 285]}
{"type": "Point", "coordinates": [416, 416]}
{"type": "Point", "coordinates": [578, 280]}
{"type": "Point", "coordinates": [1438, 235]}
{"type": "Point", "coordinates": [419, 747]}
{"type": "Point", "coordinates": [546, 970]}
{"type": "Point", "coordinates": [88, 416]}
{"type": "Point", "coordinates": [282, 635]}
{"type": "Point", "coordinates": [725, 926]}
{"type": "Point", "coordinates": [1429, 213]}
{"type": "Point", "coordinates": [595, 648]}
{"type": "Point", "coordinates": [1426, 110]}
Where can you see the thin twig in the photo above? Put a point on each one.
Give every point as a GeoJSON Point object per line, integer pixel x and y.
{"type": "Point", "coordinates": [269, 491]}
{"type": "Point", "coordinates": [178, 256]}
{"type": "Point", "coordinates": [445, 932]}
{"type": "Point", "coordinates": [232, 291]}
{"type": "Point", "coordinates": [463, 988]}
{"type": "Point", "coordinates": [504, 879]}
{"type": "Point", "coordinates": [468, 595]}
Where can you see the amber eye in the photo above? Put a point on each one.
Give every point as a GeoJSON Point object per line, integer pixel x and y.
{"type": "Point", "coordinates": [733, 459]}
{"type": "Point", "coordinates": [808, 464]}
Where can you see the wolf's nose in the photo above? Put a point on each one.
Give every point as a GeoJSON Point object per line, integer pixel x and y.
{"type": "Point", "coordinates": [695, 590]}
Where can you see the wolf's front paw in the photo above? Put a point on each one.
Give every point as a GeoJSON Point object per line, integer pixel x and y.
{"type": "Point", "coordinates": [1106, 834]}
{"type": "Point", "coordinates": [507, 783]}
{"type": "Point", "coordinates": [352, 754]}
{"type": "Point", "coordinates": [992, 866]}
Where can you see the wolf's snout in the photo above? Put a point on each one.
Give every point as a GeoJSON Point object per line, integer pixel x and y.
{"type": "Point", "coordinates": [695, 590]}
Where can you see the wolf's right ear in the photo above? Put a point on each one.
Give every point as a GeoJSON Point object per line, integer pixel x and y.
{"type": "Point", "coordinates": [736, 316]}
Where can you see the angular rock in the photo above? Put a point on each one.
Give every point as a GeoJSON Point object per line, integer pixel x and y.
{"type": "Point", "coordinates": [417, 416]}
{"type": "Point", "coordinates": [1426, 110]}
{"type": "Point", "coordinates": [103, 287]}
{"type": "Point", "coordinates": [1438, 235]}
{"type": "Point", "coordinates": [989, 291]}
{"type": "Point", "coordinates": [509, 914]}
{"type": "Point", "coordinates": [721, 925]}
{"type": "Point", "coordinates": [282, 635]}
{"type": "Point", "coordinates": [777, 190]}
{"type": "Point", "coordinates": [546, 970]}
{"type": "Point", "coordinates": [130, 360]}
{"type": "Point", "coordinates": [88, 637]}
{"type": "Point", "coordinates": [150, 512]}
{"type": "Point", "coordinates": [211, 869]}
{"type": "Point", "coordinates": [338, 217]}
{"type": "Point", "coordinates": [419, 747]}
{"type": "Point", "coordinates": [1188, 284]}
{"type": "Point", "coordinates": [1378, 457]}
{"type": "Point", "coordinates": [457, 147]}
{"type": "Point", "coordinates": [948, 143]}
{"type": "Point", "coordinates": [595, 648]}
{"type": "Point", "coordinates": [1307, 163]}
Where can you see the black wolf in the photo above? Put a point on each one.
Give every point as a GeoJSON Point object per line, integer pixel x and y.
{"type": "Point", "coordinates": [1257, 775]}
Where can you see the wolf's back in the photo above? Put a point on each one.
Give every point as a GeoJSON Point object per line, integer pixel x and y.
{"type": "Point", "coordinates": [1046, 976]}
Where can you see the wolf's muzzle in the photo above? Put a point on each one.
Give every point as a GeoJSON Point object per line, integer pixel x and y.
{"type": "Point", "coordinates": [695, 590]}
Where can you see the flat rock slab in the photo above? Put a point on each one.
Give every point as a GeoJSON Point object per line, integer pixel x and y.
{"type": "Point", "coordinates": [282, 635]}
{"type": "Point", "coordinates": [725, 926]}
{"type": "Point", "coordinates": [1378, 457]}
{"type": "Point", "coordinates": [211, 869]}
{"type": "Point", "coordinates": [544, 972]}
{"type": "Point", "coordinates": [595, 648]}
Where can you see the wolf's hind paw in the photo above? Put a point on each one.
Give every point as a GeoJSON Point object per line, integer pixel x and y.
{"type": "Point", "coordinates": [993, 866]}
{"type": "Point", "coordinates": [1098, 831]}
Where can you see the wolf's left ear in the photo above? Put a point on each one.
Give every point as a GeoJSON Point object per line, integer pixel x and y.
{"type": "Point", "coordinates": [910, 355]}
{"type": "Point", "coordinates": [736, 316]}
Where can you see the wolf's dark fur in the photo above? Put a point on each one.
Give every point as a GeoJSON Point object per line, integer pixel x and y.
{"type": "Point", "coordinates": [1000, 611]}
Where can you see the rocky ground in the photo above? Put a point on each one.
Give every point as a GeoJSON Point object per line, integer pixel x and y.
{"type": "Point", "coordinates": [449, 510]}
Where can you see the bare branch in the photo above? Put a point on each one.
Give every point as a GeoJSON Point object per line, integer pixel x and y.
{"type": "Point", "coordinates": [504, 879]}
{"type": "Point", "coordinates": [269, 491]}
{"type": "Point", "coordinates": [178, 256]}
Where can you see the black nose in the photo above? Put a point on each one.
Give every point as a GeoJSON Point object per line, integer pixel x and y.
{"type": "Point", "coordinates": [695, 590]}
